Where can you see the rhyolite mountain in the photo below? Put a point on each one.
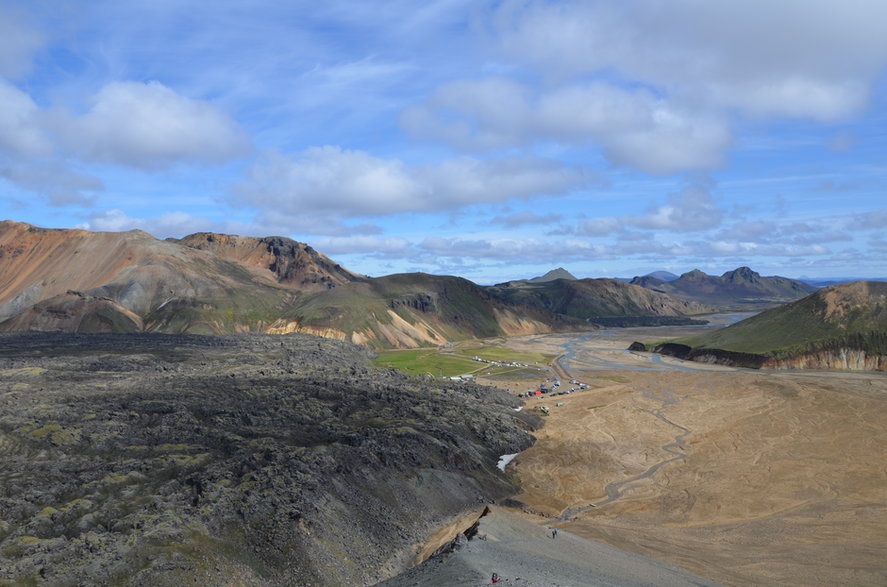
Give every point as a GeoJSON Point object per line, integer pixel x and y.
{"type": "Point", "coordinates": [741, 289]}
{"type": "Point", "coordinates": [290, 262]}
{"type": "Point", "coordinates": [842, 326]}
{"type": "Point", "coordinates": [81, 281]}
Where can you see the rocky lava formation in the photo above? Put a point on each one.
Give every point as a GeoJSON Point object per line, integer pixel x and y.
{"type": "Point", "coordinates": [160, 459]}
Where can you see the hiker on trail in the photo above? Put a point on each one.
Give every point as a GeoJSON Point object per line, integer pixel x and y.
{"type": "Point", "coordinates": [554, 532]}
{"type": "Point", "coordinates": [495, 578]}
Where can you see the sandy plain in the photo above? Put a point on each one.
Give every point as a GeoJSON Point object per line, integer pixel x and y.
{"type": "Point", "coordinates": [742, 477]}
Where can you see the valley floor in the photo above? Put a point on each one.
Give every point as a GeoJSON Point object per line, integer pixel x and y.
{"type": "Point", "coordinates": [742, 477]}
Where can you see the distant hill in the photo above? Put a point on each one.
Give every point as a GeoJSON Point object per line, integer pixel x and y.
{"type": "Point", "coordinates": [559, 273]}
{"type": "Point", "coordinates": [662, 275]}
{"type": "Point", "coordinates": [205, 283]}
{"type": "Point", "coordinates": [657, 276]}
{"type": "Point", "coordinates": [839, 327]}
{"type": "Point", "coordinates": [741, 288]}
{"type": "Point", "coordinates": [605, 301]}
{"type": "Point", "coordinates": [417, 309]}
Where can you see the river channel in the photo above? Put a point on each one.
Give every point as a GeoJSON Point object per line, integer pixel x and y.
{"type": "Point", "coordinates": [606, 350]}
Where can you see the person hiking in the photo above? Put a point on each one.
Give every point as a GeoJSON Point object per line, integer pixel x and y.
{"type": "Point", "coordinates": [554, 532]}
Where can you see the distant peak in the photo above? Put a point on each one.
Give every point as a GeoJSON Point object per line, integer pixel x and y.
{"type": "Point", "coordinates": [742, 274]}
{"type": "Point", "coordinates": [695, 274]}
{"type": "Point", "coordinates": [559, 273]}
{"type": "Point", "coordinates": [662, 275]}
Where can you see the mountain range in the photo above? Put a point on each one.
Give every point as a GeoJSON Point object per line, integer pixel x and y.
{"type": "Point", "coordinates": [603, 301]}
{"type": "Point", "coordinates": [74, 280]}
{"type": "Point", "coordinates": [740, 289]}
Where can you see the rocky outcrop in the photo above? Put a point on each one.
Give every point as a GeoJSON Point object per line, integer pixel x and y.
{"type": "Point", "coordinates": [290, 262]}
{"type": "Point", "coordinates": [425, 302]}
{"type": "Point", "coordinates": [842, 359]}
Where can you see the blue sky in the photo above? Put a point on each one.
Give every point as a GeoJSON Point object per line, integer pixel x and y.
{"type": "Point", "coordinates": [488, 139]}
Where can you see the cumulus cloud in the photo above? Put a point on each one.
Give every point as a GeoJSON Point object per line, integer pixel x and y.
{"type": "Point", "coordinates": [147, 126]}
{"type": "Point", "coordinates": [599, 226]}
{"type": "Point", "coordinates": [633, 127]}
{"type": "Point", "coordinates": [809, 58]}
{"type": "Point", "coordinates": [350, 183]}
{"type": "Point", "coordinates": [150, 126]}
{"type": "Point", "coordinates": [22, 133]}
{"type": "Point", "coordinates": [473, 114]}
{"type": "Point", "coordinates": [692, 208]}
{"type": "Point", "coordinates": [658, 85]}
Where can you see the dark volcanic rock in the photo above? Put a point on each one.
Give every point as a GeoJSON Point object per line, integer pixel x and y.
{"type": "Point", "coordinates": [673, 349]}
{"type": "Point", "coordinates": [145, 459]}
{"type": "Point", "coordinates": [637, 347]}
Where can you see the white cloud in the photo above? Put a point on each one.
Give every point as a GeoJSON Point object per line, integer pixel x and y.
{"type": "Point", "coordinates": [690, 209]}
{"type": "Point", "coordinates": [21, 125]}
{"type": "Point", "coordinates": [362, 244]}
{"type": "Point", "coordinates": [599, 226]}
{"type": "Point", "coordinates": [53, 179]}
{"type": "Point", "coordinates": [632, 127]}
{"type": "Point", "coordinates": [150, 126]}
{"type": "Point", "coordinates": [270, 221]}
{"type": "Point", "coordinates": [330, 180]}
{"type": "Point", "coordinates": [809, 58]}
{"type": "Point", "coordinates": [658, 86]}
{"type": "Point", "coordinates": [147, 126]}
{"type": "Point", "coordinates": [493, 113]}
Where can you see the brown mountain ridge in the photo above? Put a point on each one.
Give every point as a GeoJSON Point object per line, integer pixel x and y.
{"type": "Point", "coordinates": [205, 283]}
{"type": "Point", "coordinates": [75, 280]}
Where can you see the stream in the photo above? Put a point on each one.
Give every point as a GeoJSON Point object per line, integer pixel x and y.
{"type": "Point", "coordinates": [578, 354]}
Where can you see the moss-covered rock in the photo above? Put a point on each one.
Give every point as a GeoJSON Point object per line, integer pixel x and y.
{"type": "Point", "coordinates": [155, 459]}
